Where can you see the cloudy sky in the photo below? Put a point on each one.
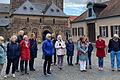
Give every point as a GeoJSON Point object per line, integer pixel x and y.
{"type": "Point", "coordinates": [71, 7]}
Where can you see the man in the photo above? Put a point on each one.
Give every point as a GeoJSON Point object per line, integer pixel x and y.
{"type": "Point", "coordinates": [19, 39]}
{"type": "Point", "coordinates": [48, 52]}
{"type": "Point", "coordinates": [114, 50]}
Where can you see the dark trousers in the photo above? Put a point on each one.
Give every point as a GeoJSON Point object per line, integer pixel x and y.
{"type": "Point", "coordinates": [69, 59]}
{"type": "Point", "coordinates": [47, 63]}
{"type": "Point", "coordinates": [22, 66]}
{"type": "Point", "coordinates": [31, 63]}
{"type": "Point", "coordinates": [55, 58]}
{"type": "Point", "coordinates": [77, 59]}
{"type": "Point", "coordinates": [89, 58]}
{"type": "Point", "coordinates": [17, 63]}
{"type": "Point", "coordinates": [9, 62]}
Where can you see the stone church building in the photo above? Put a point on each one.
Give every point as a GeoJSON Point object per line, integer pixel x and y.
{"type": "Point", "coordinates": [38, 16]}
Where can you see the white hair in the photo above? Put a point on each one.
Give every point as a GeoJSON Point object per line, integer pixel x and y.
{"type": "Point", "coordinates": [12, 37]}
{"type": "Point", "coordinates": [48, 35]}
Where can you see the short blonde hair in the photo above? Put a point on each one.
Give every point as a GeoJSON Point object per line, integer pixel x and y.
{"type": "Point", "coordinates": [12, 37]}
{"type": "Point", "coordinates": [1, 39]}
{"type": "Point", "coordinates": [32, 35]}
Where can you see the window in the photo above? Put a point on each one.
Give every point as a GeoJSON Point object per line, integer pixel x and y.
{"type": "Point", "coordinates": [80, 31]}
{"type": "Point", "coordinates": [53, 21]}
{"type": "Point", "coordinates": [103, 31]}
{"type": "Point", "coordinates": [115, 30]}
{"type": "Point", "coordinates": [31, 8]}
{"type": "Point", "coordinates": [40, 20]}
{"type": "Point", "coordinates": [28, 20]}
{"type": "Point", "coordinates": [74, 31]}
{"type": "Point", "coordinates": [90, 12]}
{"type": "Point", "coordinates": [24, 8]}
{"type": "Point", "coordinates": [52, 10]}
{"type": "Point", "coordinates": [57, 10]}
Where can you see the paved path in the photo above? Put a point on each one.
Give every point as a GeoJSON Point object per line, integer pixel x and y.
{"type": "Point", "coordinates": [68, 72]}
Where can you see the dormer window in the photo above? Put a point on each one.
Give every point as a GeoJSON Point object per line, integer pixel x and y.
{"type": "Point", "coordinates": [24, 8]}
{"type": "Point", "coordinates": [90, 12]}
{"type": "Point", "coordinates": [52, 10]}
{"type": "Point", "coordinates": [31, 8]}
{"type": "Point", "coordinates": [57, 10]}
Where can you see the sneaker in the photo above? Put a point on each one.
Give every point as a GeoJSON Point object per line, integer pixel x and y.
{"type": "Point", "coordinates": [13, 75]}
{"type": "Point", "coordinates": [5, 76]}
{"type": "Point", "coordinates": [101, 69]}
{"type": "Point", "coordinates": [118, 69]}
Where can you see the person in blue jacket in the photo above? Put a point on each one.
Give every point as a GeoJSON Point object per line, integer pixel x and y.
{"type": "Point", "coordinates": [48, 52]}
{"type": "Point", "coordinates": [70, 51]}
{"type": "Point", "coordinates": [13, 53]}
{"type": "Point", "coordinates": [33, 51]}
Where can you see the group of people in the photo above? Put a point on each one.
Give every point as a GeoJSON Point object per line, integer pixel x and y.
{"type": "Point", "coordinates": [20, 51]}
{"type": "Point", "coordinates": [59, 47]}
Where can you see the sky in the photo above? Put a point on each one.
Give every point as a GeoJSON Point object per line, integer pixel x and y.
{"type": "Point", "coordinates": [71, 7]}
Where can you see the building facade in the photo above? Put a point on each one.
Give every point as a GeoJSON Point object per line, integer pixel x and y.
{"type": "Point", "coordinates": [40, 18]}
{"type": "Point", "coordinates": [99, 19]}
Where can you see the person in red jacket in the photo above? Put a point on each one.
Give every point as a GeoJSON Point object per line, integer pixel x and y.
{"type": "Point", "coordinates": [100, 45]}
{"type": "Point", "coordinates": [25, 54]}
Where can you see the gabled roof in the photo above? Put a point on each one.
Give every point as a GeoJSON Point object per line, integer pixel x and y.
{"type": "Point", "coordinates": [4, 22]}
{"type": "Point", "coordinates": [111, 10]}
{"type": "Point", "coordinates": [4, 8]}
{"type": "Point", "coordinates": [28, 8]}
{"type": "Point", "coordinates": [53, 10]}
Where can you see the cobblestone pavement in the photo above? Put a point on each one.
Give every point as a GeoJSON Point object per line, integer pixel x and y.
{"type": "Point", "coordinates": [69, 72]}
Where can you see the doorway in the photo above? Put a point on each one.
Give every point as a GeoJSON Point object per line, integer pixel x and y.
{"type": "Point", "coordinates": [91, 32]}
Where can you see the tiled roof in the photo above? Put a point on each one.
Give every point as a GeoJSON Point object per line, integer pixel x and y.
{"type": "Point", "coordinates": [4, 8]}
{"type": "Point", "coordinates": [112, 9]}
{"type": "Point", "coordinates": [4, 22]}
{"type": "Point", "coordinates": [28, 8]}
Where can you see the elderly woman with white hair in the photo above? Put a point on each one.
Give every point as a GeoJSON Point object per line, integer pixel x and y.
{"type": "Point", "coordinates": [24, 54]}
{"type": "Point", "coordinates": [60, 50]}
{"type": "Point", "coordinates": [48, 51]}
{"type": "Point", "coordinates": [2, 54]}
{"type": "Point", "coordinates": [13, 51]}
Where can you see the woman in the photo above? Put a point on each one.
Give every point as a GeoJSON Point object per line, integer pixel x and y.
{"type": "Point", "coordinates": [25, 54]}
{"type": "Point", "coordinates": [2, 54]}
{"type": "Point", "coordinates": [33, 51]}
{"type": "Point", "coordinates": [48, 52]}
{"type": "Point", "coordinates": [100, 45]}
{"type": "Point", "coordinates": [60, 50]}
{"type": "Point", "coordinates": [13, 51]}
{"type": "Point", "coordinates": [83, 56]}
{"type": "Point", "coordinates": [90, 49]}
{"type": "Point", "coordinates": [70, 51]}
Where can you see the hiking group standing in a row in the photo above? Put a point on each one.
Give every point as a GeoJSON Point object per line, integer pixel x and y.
{"type": "Point", "coordinates": [24, 50]}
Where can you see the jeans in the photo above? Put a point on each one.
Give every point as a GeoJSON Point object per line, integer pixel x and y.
{"type": "Point", "coordinates": [113, 55]}
{"type": "Point", "coordinates": [47, 63]}
{"type": "Point", "coordinates": [17, 63]}
{"type": "Point", "coordinates": [100, 62]}
{"type": "Point", "coordinates": [60, 61]}
{"type": "Point", "coordinates": [9, 62]}
{"type": "Point", "coordinates": [22, 68]}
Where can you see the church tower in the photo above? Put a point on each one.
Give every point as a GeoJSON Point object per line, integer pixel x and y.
{"type": "Point", "coordinates": [16, 3]}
